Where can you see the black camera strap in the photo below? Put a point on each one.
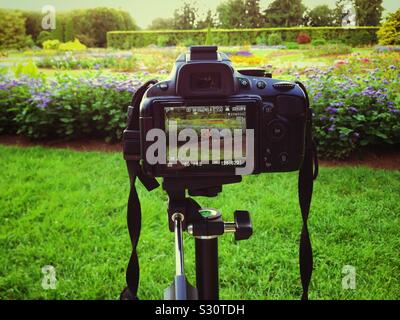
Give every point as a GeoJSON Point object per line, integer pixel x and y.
{"type": "Point", "coordinates": [131, 141]}
{"type": "Point", "coordinates": [308, 173]}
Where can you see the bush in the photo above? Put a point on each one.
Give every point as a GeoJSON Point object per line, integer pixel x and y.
{"type": "Point", "coordinates": [43, 36]}
{"type": "Point", "coordinates": [26, 69]}
{"type": "Point", "coordinates": [389, 33]}
{"type": "Point", "coordinates": [72, 46]}
{"type": "Point", "coordinates": [33, 24]}
{"type": "Point", "coordinates": [95, 23]}
{"type": "Point", "coordinates": [235, 37]}
{"type": "Point", "coordinates": [319, 42]}
{"type": "Point", "coordinates": [356, 103]}
{"type": "Point", "coordinates": [86, 40]}
{"type": "Point", "coordinates": [303, 38]}
{"type": "Point", "coordinates": [162, 41]}
{"type": "Point", "coordinates": [12, 30]}
{"type": "Point", "coordinates": [352, 112]}
{"type": "Point", "coordinates": [292, 45]}
{"type": "Point", "coordinates": [51, 44]}
{"type": "Point", "coordinates": [274, 39]}
{"type": "Point", "coordinates": [66, 107]}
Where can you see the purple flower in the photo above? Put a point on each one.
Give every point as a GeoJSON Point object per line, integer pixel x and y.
{"type": "Point", "coordinates": [332, 128]}
{"type": "Point", "coordinates": [352, 109]}
{"type": "Point", "coordinates": [392, 67]}
{"type": "Point", "coordinates": [331, 110]}
{"type": "Point", "coordinates": [244, 53]}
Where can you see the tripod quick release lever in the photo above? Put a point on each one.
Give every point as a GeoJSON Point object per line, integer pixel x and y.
{"type": "Point", "coordinates": [212, 226]}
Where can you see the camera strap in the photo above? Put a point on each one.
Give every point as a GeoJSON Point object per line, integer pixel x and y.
{"type": "Point", "coordinates": [308, 173]}
{"type": "Point", "coordinates": [131, 141]}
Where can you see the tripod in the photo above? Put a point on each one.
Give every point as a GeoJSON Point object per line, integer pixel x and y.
{"type": "Point", "coordinates": [205, 225]}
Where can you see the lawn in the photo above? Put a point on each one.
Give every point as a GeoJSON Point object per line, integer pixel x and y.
{"type": "Point", "coordinates": [67, 209]}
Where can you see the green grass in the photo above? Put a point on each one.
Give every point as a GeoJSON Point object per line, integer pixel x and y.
{"type": "Point", "coordinates": [67, 209]}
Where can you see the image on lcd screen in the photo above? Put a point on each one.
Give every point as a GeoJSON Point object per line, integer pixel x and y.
{"type": "Point", "coordinates": [220, 132]}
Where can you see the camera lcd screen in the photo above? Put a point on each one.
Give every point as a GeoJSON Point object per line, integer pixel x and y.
{"type": "Point", "coordinates": [206, 135]}
{"type": "Point", "coordinates": [205, 81]}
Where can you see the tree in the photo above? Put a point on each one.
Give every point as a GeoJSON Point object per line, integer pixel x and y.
{"type": "Point", "coordinates": [338, 12]}
{"type": "Point", "coordinates": [129, 22]}
{"type": "Point", "coordinates": [207, 22]}
{"type": "Point", "coordinates": [389, 33]}
{"type": "Point", "coordinates": [162, 24]}
{"type": "Point", "coordinates": [253, 17]}
{"type": "Point", "coordinates": [369, 12]}
{"type": "Point", "coordinates": [12, 30]}
{"type": "Point", "coordinates": [185, 16]}
{"type": "Point", "coordinates": [33, 23]}
{"type": "Point", "coordinates": [285, 13]}
{"type": "Point", "coordinates": [321, 16]}
{"type": "Point", "coordinates": [232, 14]}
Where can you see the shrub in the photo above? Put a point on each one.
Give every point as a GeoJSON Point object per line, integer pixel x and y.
{"type": "Point", "coordinates": [42, 37]}
{"type": "Point", "coordinates": [66, 107]}
{"type": "Point", "coordinates": [356, 104]}
{"type": "Point", "coordinates": [274, 39]}
{"type": "Point", "coordinates": [356, 111]}
{"type": "Point", "coordinates": [96, 22]}
{"type": "Point", "coordinates": [51, 44]}
{"type": "Point", "coordinates": [26, 69]}
{"type": "Point", "coordinates": [303, 38]}
{"type": "Point", "coordinates": [33, 24]}
{"type": "Point", "coordinates": [292, 45]}
{"type": "Point", "coordinates": [162, 41]}
{"type": "Point", "coordinates": [389, 33]}
{"type": "Point", "coordinates": [209, 38]}
{"type": "Point", "coordinates": [86, 40]}
{"type": "Point", "coordinates": [260, 40]}
{"type": "Point", "coordinates": [72, 46]}
{"type": "Point", "coordinates": [235, 37]}
{"type": "Point", "coordinates": [319, 42]}
{"type": "Point", "coordinates": [12, 30]}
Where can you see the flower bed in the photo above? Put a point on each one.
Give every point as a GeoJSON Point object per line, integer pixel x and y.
{"type": "Point", "coordinates": [66, 106]}
{"type": "Point", "coordinates": [353, 111]}
{"type": "Point", "coordinates": [356, 104]}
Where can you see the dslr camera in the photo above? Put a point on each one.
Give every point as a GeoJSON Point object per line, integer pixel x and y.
{"type": "Point", "coordinates": [204, 127]}
{"type": "Point", "coordinates": [227, 119]}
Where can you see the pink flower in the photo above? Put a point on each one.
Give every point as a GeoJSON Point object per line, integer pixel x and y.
{"type": "Point", "coordinates": [365, 60]}
{"type": "Point", "coordinates": [339, 63]}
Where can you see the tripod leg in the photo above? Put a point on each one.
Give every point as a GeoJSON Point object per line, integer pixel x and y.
{"type": "Point", "coordinates": [207, 269]}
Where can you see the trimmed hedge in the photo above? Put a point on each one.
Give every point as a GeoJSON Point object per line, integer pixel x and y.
{"type": "Point", "coordinates": [234, 37]}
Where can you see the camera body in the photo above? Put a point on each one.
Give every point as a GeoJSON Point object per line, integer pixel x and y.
{"type": "Point", "coordinates": [205, 92]}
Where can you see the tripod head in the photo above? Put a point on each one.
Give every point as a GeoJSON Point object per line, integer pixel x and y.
{"type": "Point", "coordinates": [205, 225]}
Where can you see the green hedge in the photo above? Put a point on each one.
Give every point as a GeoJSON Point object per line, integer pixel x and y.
{"type": "Point", "coordinates": [230, 37]}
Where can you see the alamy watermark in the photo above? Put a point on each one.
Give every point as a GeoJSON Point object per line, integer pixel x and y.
{"type": "Point", "coordinates": [49, 18]}
{"type": "Point", "coordinates": [49, 280]}
{"type": "Point", "coordinates": [349, 280]}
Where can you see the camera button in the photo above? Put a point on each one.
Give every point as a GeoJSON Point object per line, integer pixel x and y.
{"type": "Point", "coordinates": [284, 158]}
{"type": "Point", "coordinates": [261, 85]}
{"type": "Point", "coordinates": [244, 82]}
{"type": "Point", "coordinates": [277, 130]}
{"type": "Point", "coordinates": [163, 86]}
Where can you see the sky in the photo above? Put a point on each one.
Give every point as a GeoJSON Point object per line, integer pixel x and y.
{"type": "Point", "coordinates": [146, 11]}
